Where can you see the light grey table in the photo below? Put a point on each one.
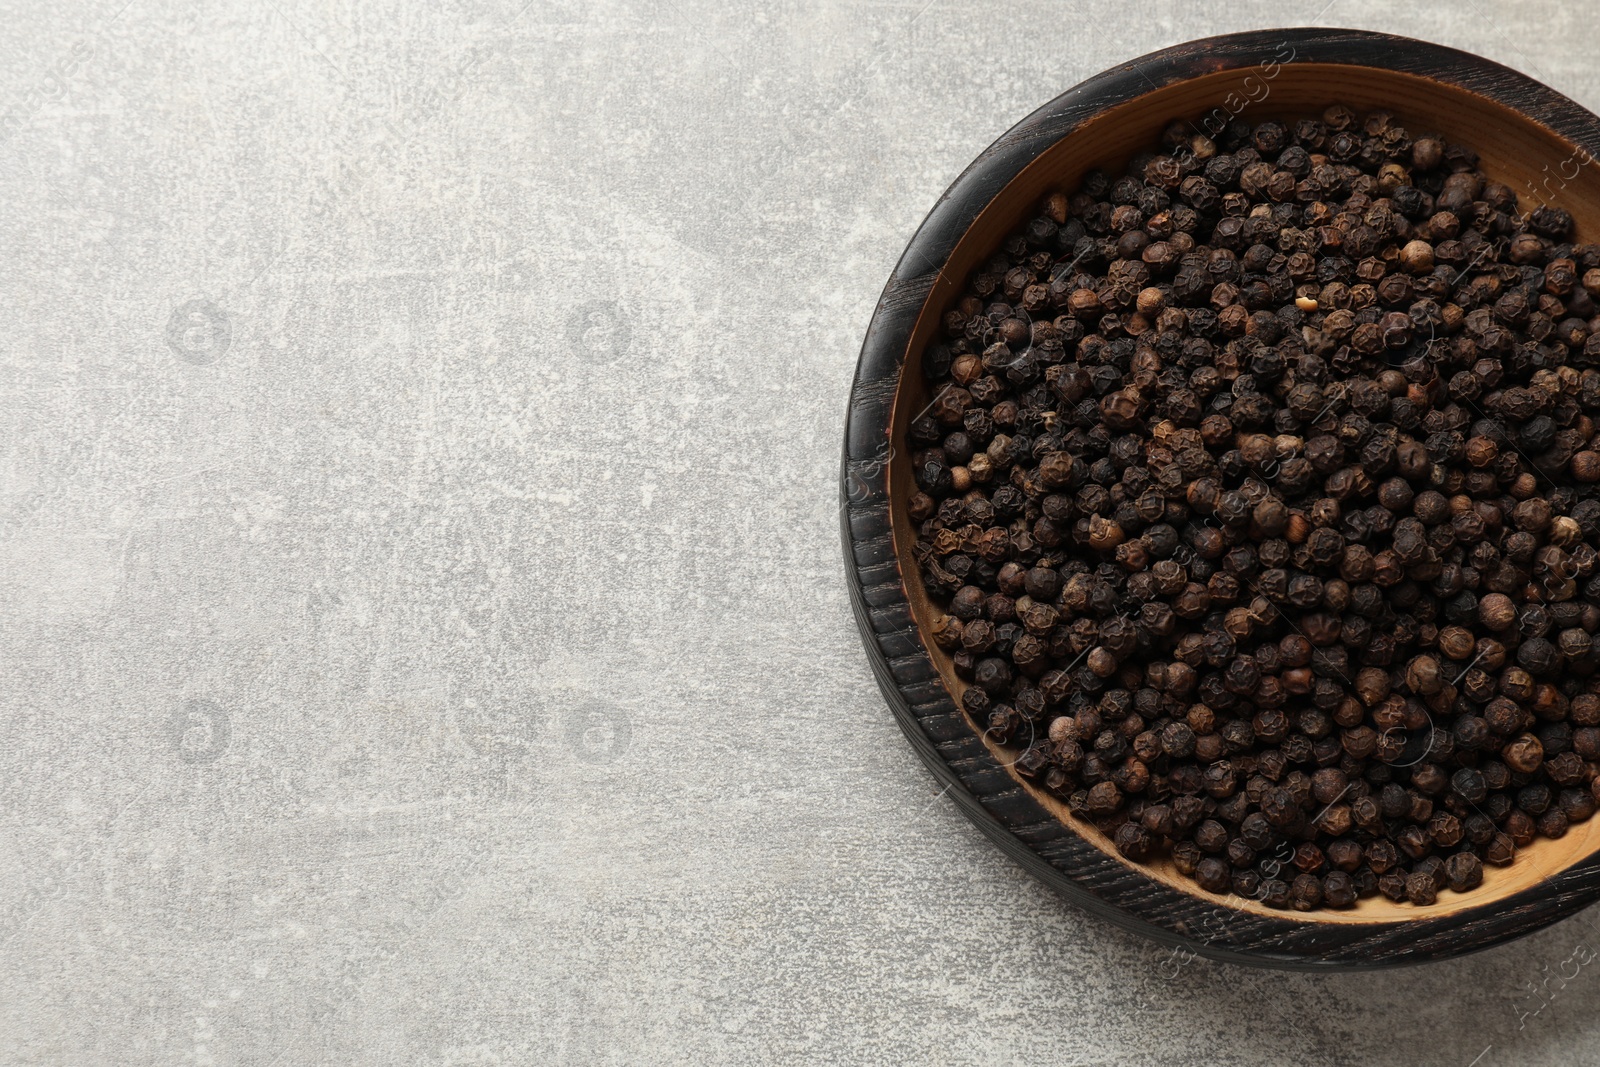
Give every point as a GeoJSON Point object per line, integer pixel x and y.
{"type": "Point", "coordinates": [422, 629]}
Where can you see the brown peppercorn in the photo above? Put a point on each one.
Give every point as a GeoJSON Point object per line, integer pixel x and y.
{"type": "Point", "coordinates": [1533, 515]}
{"type": "Point", "coordinates": [1524, 754]}
{"type": "Point", "coordinates": [1426, 153]}
{"type": "Point", "coordinates": [1500, 850]}
{"type": "Point", "coordinates": [1133, 841]}
{"type": "Point", "coordinates": [1104, 799]}
{"type": "Point", "coordinates": [1553, 823]}
{"type": "Point", "coordinates": [1101, 661]}
{"type": "Point", "coordinates": [1564, 532]}
{"type": "Point", "coordinates": [1497, 612]}
{"type": "Point", "coordinates": [1382, 856]}
{"type": "Point", "coordinates": [1463, 872]}
{"type": "Point", "coordinates": [1456, 642]}
{"type": "Point", "coordinates": [1566, 768]}
{"type": "Point", "coordinates": [1305, 893]}
{"type": "Point", "coordinates": [1420, 890]}
{"type": "Point", "coordinates": [1417, 257]}
{"type": "Point", "coordinates": [1372, 685]}
{"type": "Point", "coordinates": [1393, 885]}
{"type": "Point", "coordinates": [1338, 890]}
{"type": "Point", "coordinates": [1423, 676]}
{"type": "Point", "coordinates": [1213, 875]}
{"type": "Point", "coordinates": [1345, 855]}
{"type": "Point", "coordinates": [1445, 829]}
{"type": "Point", "coordinates": [1415, 842]}
{"type": "Point", "coordinates": [1104, 534]}
{"type": "Point", "coordinates": [1482, 451]}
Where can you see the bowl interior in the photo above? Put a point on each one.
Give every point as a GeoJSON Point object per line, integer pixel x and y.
{"type": "Point", "coordinates": [1514, 149]}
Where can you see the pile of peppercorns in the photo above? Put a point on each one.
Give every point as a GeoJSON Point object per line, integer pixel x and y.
{"type": "Point", "coordinates": [1259, 488]}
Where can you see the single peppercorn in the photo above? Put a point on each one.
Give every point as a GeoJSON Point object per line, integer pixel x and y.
{"type": "Point", "coordinates": [1421, 890]}
{"type": "Point", "coordinates": [1464, 872]}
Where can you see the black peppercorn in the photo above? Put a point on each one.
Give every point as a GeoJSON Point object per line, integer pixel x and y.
{"type": "Point", "coordinates": [1305, 892]}
{"type": "Point", "coordinates": [1213, 875]}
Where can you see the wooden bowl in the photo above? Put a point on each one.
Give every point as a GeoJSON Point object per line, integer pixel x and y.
{"type": "Point", "coordinates": [1530, 137]}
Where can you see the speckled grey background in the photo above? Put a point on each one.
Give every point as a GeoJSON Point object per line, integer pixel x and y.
{"type": "Point", "coordinates": [423, 636]}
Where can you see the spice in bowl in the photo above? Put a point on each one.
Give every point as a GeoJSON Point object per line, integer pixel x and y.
{"type": "Point", "coordinates": [1258, 492]}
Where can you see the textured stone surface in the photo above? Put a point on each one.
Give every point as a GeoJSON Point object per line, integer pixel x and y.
{"type": "Point", "coordinates": [422, 632]}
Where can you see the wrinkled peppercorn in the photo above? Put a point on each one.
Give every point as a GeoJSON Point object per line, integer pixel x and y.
{"type": "Point", "coordinates": [1259, 498]}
